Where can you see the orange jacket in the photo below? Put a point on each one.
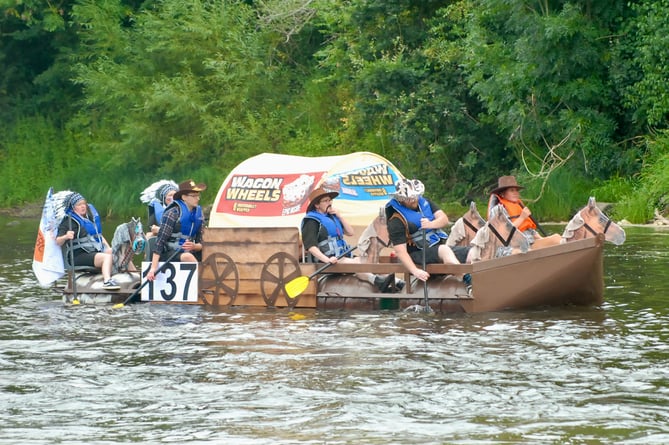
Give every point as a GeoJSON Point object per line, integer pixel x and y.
{"type": "Point", "coordinates": [514, 209]}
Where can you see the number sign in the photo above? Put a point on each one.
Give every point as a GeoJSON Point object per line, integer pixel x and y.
{"type": "Point", "coordinates": [177, 283]}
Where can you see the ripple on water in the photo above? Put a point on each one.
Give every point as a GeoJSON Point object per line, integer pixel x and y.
{"type": "Point", "coordinates": [185, 374]}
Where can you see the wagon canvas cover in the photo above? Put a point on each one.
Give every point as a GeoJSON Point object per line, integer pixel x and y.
{"type": "Point", "coordinates": [272, 190]}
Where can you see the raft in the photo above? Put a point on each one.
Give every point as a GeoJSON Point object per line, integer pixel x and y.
{"type": "Point", "coordinates": [252, 249]}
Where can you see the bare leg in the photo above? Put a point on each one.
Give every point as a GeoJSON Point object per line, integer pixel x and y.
{"type": "Point", "coordinates": [187, 257]}
{"type": "Point", "coordinates": [104, 262]}
{"type": "Point", "coordinates": [547, 241]}
{"type": "Point", "coordinates": [447, 256]}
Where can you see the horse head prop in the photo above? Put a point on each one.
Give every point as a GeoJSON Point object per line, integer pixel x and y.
{"type": "Point", "coordinates": [373, 239]}
{"type": "Point", "coordinates": [465, 228]}
{"type": "Point", "coordinates": [590, 221]}
{"type": "Point", "coordinates": [497, 238]}
{"type": "Point", "coordinates": [129, 239]}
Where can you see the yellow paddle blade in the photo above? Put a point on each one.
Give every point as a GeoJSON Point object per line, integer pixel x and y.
{"type": "Point", "coordinates": [75, 302]}
{"type": "Point", "coordinates": [297, 286]}
{"type": "Point", "coordinates": [118, 306]}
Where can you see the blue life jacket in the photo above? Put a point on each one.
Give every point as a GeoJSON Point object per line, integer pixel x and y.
{"type": "Point", "coordinates": [92, 242]}
{"type": "Point", "coordinates": [187, 226]}
{"type": "Point", "coordinates": [156, 208]}
{"type": "Point", "coordinates": [334, 244]}
{"type": "Point", "coordinates": [434, 236]}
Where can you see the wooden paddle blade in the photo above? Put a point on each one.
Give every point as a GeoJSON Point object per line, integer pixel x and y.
{"type": "Point", "coordinates": [297, 286]}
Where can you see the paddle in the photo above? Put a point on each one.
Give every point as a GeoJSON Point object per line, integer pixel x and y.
{"type": "Point", "coordinates": [298, 285]}
{"type": "Point", "coordinates": [75, 300]}
{"type": "Point", "coordinates": [425, 295]}
{"type": "Point", "coordinates": [541, 229]}
{"type": "Point", "coordinates": [139, 289]}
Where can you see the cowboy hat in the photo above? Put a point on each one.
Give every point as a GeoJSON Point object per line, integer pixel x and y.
{"type": "Point", "coordinates": [317, 194]}
{"type": "Point", "coordinates": [506, 182]}
{"type": "Point", "coordinates": [187, 187]}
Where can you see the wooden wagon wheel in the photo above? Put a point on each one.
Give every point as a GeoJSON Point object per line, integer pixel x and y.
{"type": "Point", "coordinates": [278, 270]}
{"type": "Point", "coordinates": [218, 275]}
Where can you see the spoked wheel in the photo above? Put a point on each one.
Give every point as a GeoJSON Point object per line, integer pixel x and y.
{"type": "Point", "coordinates": [278, 270]}
{"type": "Point", "coordinates": [219, 280]}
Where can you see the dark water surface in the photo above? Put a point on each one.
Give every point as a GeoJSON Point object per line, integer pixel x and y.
{"type": "Point", "coordinates": [184, 374]}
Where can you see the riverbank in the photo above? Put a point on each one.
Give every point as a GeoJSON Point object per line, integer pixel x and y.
{"type": "Point", "coordinates": [33, 210]}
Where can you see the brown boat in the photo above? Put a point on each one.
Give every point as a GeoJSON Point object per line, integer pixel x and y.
{"type": "Point", "coordinates": [570, 273]}
{"type": "Point", "coordinates": [252, 250]}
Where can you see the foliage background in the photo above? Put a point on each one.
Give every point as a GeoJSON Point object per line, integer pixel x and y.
{"type": "Point", "coordinates": [108, 96]}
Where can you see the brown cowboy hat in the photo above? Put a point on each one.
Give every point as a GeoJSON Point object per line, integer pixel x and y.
{"type": "Point", "coordinates": [317, 194]}
{"type": "Point", "coordinates": [505, 182]}
{"type": "Point", "coordinates": [187, 187]}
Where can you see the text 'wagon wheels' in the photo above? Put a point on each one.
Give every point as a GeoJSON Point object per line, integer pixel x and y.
{"type": "Point", "coordinates": [219, 278]}
{"type": "Point", "coordinates": [279, 269]}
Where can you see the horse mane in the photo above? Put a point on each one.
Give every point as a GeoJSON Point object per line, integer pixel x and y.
{"type": "Point", "coordinates": [374, 238]}
{"type": "Point", "coordinates": [478, 243]}
{"type": "Point", "coordinates": [573, 225]}
{"type": "Point", "coordinates": [458, 232]}
{"type": "Point", "coordinates": [472, 219]}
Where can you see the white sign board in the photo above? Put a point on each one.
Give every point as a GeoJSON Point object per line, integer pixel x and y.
{"type": "Point", "coordinates": [177, 283]}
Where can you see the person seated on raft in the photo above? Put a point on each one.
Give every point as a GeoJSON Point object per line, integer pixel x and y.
{"type": "Point", "coordinates": [507, 193]}
{"type": "Point", "coordinates": [82, 226]}
{"type": "Point", "coordinates": [158, 196]}
{"type": "Point", "coordinates": [414, 223]}
{"type": "Point", "coordinates": [323, 229]}
{"type": "Point", "coordinates": [180, 228]}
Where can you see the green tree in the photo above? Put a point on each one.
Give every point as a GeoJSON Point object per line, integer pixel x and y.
{"type": "Point", "coordinates": [401, 95]}
{"type": "Point", "coordinates": [542, 71]}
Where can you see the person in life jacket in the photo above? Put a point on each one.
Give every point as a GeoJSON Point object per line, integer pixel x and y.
{"type": "Point", "coordinates": [323, 229]}
{"type": "Point", "coordinates": [81, 230]}
{"type": "Point", "coordinates": [507, 193]}
{"type": "Point", "coordinates": [415, 224]}
{"type": "Point", "coordinates": [158, 196]}
{"type": "Point", "coordinates": [180, 228]}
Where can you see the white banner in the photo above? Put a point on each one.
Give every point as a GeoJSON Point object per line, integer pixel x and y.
{"type": "Point", "coordinates": [48, 257]}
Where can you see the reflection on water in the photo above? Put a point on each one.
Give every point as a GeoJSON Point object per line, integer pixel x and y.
{"type": "Point", "coordinates": [183, 374]}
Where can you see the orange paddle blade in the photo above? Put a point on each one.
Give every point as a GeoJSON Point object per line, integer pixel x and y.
{"type": "Point", "coordinates": [296, 286]}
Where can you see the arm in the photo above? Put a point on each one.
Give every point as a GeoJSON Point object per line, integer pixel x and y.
{"type": "Point", "coordinates": [316, 252]}
{"type": "Point", "coordinates": [194, 245]}
{"type": "Point", "coordinates": [440, 221]}
{"type": "Point", "coordinates": [348, 228]}
{"type": "Point", "coordinates": [166, 228]}
{"type": "Point", "coordinates": [107, 246]}
{"type": "Point", "coordinates": [397, 234]}
{"type": "Point", "coordinates": [64, 232]}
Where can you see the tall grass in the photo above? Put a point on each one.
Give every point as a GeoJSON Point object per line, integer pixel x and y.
{"type": "Point", "coordinates": [641, 196]}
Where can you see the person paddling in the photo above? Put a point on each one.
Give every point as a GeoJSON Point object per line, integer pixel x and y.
{"type": "Point", "coordinates": [415, 227]}
{"type": "Point", "coordinates": [81, 225]}
{"type": "Point", "coordinates": [180, 228]}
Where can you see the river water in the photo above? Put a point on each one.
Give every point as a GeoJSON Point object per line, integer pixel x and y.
{"type": "Point", "coordinates": [187, 374]}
